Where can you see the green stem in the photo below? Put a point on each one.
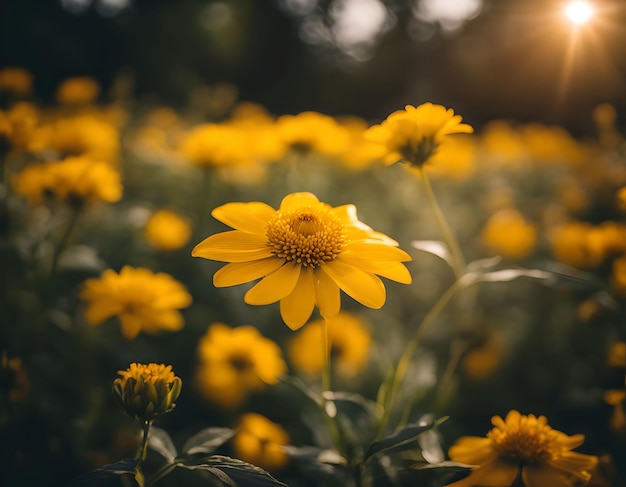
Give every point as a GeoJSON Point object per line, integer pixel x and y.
{"type": "Point", "coordinates": [328, 406]}
{"type": "Point", "coordinates": [326, 371]}
{"type": "Point", "coordinates": [388, 389]}
{"type": "Point", "coordinates": [457, 348]}
{"type": "Point", "coordinates": [75, 212]}
{"type": "Point", "coordinates": [458, 261]}
{"type": "Point", "coordinates": [143, 451]}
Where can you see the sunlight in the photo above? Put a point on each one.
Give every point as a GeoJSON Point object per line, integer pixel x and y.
{"type": "Point", "coordinates": [579, 12]}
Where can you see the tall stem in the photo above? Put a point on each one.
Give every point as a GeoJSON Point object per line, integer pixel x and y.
{"type": "Point", "coordinates": [326, 371]}
{"type": "Point", "coordinates": [328, 405]}
{"type": "Point", "coordinates": [143, 451]}
{"type": "Point", "coordinates": [458, 261]}
{"type": "Point", "coordinates": [389, 388]}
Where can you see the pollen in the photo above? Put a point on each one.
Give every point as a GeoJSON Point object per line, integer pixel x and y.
{"type": "Point", "coordinates": [308, 236]}
{"type": "Point", "coordinates": [527, 439]}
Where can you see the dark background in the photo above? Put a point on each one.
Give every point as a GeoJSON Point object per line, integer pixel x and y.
{"type": "Point", "coordinates": [517, 59]}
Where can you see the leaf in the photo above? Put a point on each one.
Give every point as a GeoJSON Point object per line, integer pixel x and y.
{"type": "Point", "coordinates": [207, 441]}
{"type": "Point", "coordinates": [437, 474]}
{"type": "Point", "coordinates": [435, 247]}
{"type": "Point", "coordinates": [482, 264]}
{"type": "Point", "coordinates": [233, 472]}
{"type": "Point", "coordinates": [326, 466]}
{"type": "Point", "coordinates": [503, 275]}
{"type": "Point", "coordinates": [406, 434]}
{"type": "Point", "coordinates": [159, 441]}
{"type": "Point", "coordinates": [120, 474]}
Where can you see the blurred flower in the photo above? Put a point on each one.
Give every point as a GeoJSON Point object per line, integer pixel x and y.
{"type": "Point", "coordinates": [261, 442]}
{"type": "Point", "coordinates": [587, 246]}
{"type": "Point", "coordinates": [618, 279]}
{"type": "Point", "coordinates": [22, 119]}
{"type": "Point", "coordinates": [234, 362]}
{"type": "Point", "coordinates": [147, 391]}
{"type": "Point", "coordinates": [217, 145]}
{"type": "Point", "coordinates": [621, 198]}
{"type": "Point", "coordinates": [482, 361]}
{"type": "Point", "coordinates": [14, 381]}
{"type": "Point", "coordinates": [75, 180]}
{"type": "Point", "coordinates": [78, 135]}
{"type": "Point", "coordinates": [527, 445]}
{"type": "Point", "coordinates": [167, 230]}
{"type": "Point", "coordinates": [350, 343]}
{"type": "Point", "coordinates": [617, 397]}
{"type": "Point", "coordinates": [414, 134]}
{"type": "Point", "coordinates": [305, 252]}
{"type": "Point", "coordinates": [502, 143]}
{"type": "Point", "coordinates": [142, 300]}
{"type": "Point", "coordinates": [78, 90]}
{"type": "Point", "coordinates": [455, 159]}
{"type": "Point", "coordinates": [17, 81]}
{"type": "Point", "coordinates": [552, 144]}
{"type": "Point", "coordinates": [510, 234]}
{"type": "Point", "coordinates": [312, 132]}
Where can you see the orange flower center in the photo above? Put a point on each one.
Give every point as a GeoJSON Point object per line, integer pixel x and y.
{"type": "Point", "coordinates": [529, 440]}
{"type": "Point", "coordinates": [308, 236]}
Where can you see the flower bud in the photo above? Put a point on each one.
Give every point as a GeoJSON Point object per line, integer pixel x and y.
{"type": "Point", "coordinates": [147, 391]}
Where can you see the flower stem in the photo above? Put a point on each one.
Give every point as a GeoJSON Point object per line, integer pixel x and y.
{"type": "Point", "coordinates": [328, 405]}
{"type": "Point", "coordinates": [75, 212]}
{"type": "Point", "coordinates": [458, 261]}
{"type": "Point", "coordinates": [143, 451]}
{"type": "Point", "coordinates": [326, 371]}
{"type": "Point", "coordinates": [387, 391]}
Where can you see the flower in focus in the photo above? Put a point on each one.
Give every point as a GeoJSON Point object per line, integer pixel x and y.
{"type": "Point", "coordinates": [142, 300]}
{"type": "Point", "coordinates": [167, 230]}
{"type": "Point", "coordinates": [526, 445]}
{"type": "Point", "coordinates": [349, 339]}
{"type": "Point", "coordinates": [305, 253]}
{"type": "Point", "coordinates": [77, 90]}
{"type": "Point", "coordinates": [75, 180]}
{"type": "Point", "coordinates": [234, 362]}
{"type": "Point", "coordinates": [147, 391]}
{"type": "Point", "coordinates": [510, 234]}
{"type": "Point", "coordinates": [261, 442]}
{"type": "Point", "coordinates": [414, 134]}
{"type": "Point", "coordinates": [17, 81]}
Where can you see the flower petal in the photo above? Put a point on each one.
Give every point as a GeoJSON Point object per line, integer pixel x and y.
{"type": "Point", "coordinates": [472, 450]}
{"type": "Point", "coordinates": [248, 217]}
{"type": "Point", "coordinates": [274, 286]}
{"type": "Point", "coordinates": [233, 246]}
{"type": "Point", "coordinates": [375, 250]}
{"type": "Point", "coordinates": [297, 307]}
{"type": "Point", "coordinates": [361, 286]}
{"type": "Point", "coordinates": [298, 200]}
{"type": "Point", "coordinates": [493, 474]}
{"type": "Point", "coordinates": [327, 295]}
{"type": "Point", "coordinates": [575, 463]}
{"type": "Point", "coordinates": [239, 272]}
{"type": "Point", "coordinates": [394, 271]}
{"type": "Point", "coordinates": [540, 475]}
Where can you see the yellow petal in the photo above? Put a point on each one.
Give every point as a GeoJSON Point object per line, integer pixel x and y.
{"type": "Point", "coordinates": [374, 250]}
{"type": "Point", "coordinates": [493, 474]}
{"type": "Point", "coordinates": [131, 325]}
{"type": "Point", "coordinates": [472, 450]}
{"type": "Point", "coordinates": [327, 295]}
{"type": "Point", "coordinates": [233, 246]}
{"type": "Point", "coordinates": [100, 311]}
{"type": "Point", "coordinates": [538, 475]}
{"type": "Point", "coordinates": [395, 271]}
{"type": "Point", "coordinates": [247, 217]}
{"type": "Point", "coordinates": [574, 462]}
{"type": "Point", "coordinates": [239, 272]}
{"type": "Point", "coordinates": [298, 200]}
{"type": "Point", "coordinates": [361, 286]}
{"type": "Point", "coordinates": [297, 307]}
{"type": "Point", "coordinates": [274, 286]}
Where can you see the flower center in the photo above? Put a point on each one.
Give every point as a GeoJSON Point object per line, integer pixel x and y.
{"type": "Point", "coordinates": [530, 440]}
{"type": "Point", "coordinates": [308, 236]}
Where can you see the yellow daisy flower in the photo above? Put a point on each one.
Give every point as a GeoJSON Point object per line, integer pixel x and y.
{"type": "Point", "coordinates": [510, 234]}
{"type": "Point", "coordinates": [142, 300]}
{"type": "Point", "coordinates": [305, 252]}
{"type": "Point", "coordinates": [77, 90]}
{"type": "Point", "coordinates": [75, 180]}
{"type": "Point", "coordinates": [261, 442]}
{"type": "Point", "coordinates": [349, 339]}
{"type": "Point", "coordinates": [413, 135]}
{"type": "Point", "coordinates": [167, 230]}
{"type": "Point", "coordinates": [147, 391]}
{"type": "Point", "coordinates": [234, 362]}
{"type": "Point", "coordinates": [526, 445]}
{"type": "Point", "coordinates": [15, 80]}
{"type": "Point", "coordinates": [312, 132]}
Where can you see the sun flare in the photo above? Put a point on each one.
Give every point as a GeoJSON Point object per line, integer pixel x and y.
{"type": "Point", "coordinates": [579, 12]}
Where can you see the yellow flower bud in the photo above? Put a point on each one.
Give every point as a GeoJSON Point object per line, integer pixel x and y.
{"type": "Point", "coordinates": [147, 391]}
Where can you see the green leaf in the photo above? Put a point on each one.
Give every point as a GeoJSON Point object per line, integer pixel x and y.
{"type": "Point", "coordinates": [437, 474]}
{"type": "Point", "coordinates": [120, 474]}
{"type": "Point", "coordinates": [406, 434]}
{"type": "Point", "coordinates": [232, 472]}
{"type": "Point", "coordinates": [435, 247]}
{"type": "Point", "coordinates": [207, 441]}
{"type": "Point", "coordinates": [327, 466]}
{"type": "Point", "coordinates": [159, 441]}
{"type": "Point", "coordinates": [503, 275]}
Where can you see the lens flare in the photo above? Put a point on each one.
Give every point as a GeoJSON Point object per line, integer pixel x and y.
{"type": "Point", "coordinates": [579, 12]}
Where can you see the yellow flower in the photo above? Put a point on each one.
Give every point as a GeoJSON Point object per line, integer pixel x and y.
{"type": "Point", "coordinates": [167, 230]}
{"type": "Point", "coordinates": [147, 391]}
{"type": "Point", "coordinates": [142, 300]}
{"type": "Point", "coordinates": [350, 343]}
{"type": "Point", "coordinates": [526, 443]}
{"type": "Point", "coordinates": [482, 361]}
{"type": "Point", "coordinates": [234, 362]}
{"type": "Point", "coordinates": [17, 81]}
{"type": "Point", "coordinates": [77, 90]}
{"type": "Point", "coordinates": [14, 381]}
{"type": "Point", "coordinates": [78, 135]}
{"type": "Point", "coordinates": [261, 442]}
{"type": "Point", "coordinates": [312, 132]}
{"type": "Point", "coordinates": [75, 180]}
{"type": "Point", "coordinates": [510, 234]}
{"type": "Point", "coordinates": [579, 244]}
{"type": "Point", "coordinates": [305, 252]}
{"type": "Point", "coordinates": [414, 134]}
{"type": "Point", "coordinates": [217, 145]}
